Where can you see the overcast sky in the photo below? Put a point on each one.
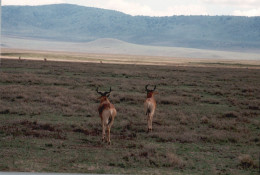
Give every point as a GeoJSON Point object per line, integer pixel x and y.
{"type": "Point", "coordinates": [162, 7]}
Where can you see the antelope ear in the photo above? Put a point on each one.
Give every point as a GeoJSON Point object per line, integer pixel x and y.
{"type": "Point", "coordinates": [108, 94]}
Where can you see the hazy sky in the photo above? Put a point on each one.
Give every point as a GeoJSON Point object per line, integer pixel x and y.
{"type": "Point", "coordinates": [162, 7]}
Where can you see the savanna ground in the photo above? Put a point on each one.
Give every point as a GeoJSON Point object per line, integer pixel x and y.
{"type": "Point", "coordinates": [207, 119]}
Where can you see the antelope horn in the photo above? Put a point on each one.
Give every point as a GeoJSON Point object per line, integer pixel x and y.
{"type": "Point", "coordinates": [146, 87]}
{"type": "Point", "coordinates": [105, 93]}
{"type": "Point", "coordinates": [99, 92]}
{"type": "Point", "coordinates": [154, 87]}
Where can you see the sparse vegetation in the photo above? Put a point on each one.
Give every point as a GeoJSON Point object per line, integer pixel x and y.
{"type": "Point", "coordinates": [206, 122]}
{"type": "Point", "coordinates": [246, 161]}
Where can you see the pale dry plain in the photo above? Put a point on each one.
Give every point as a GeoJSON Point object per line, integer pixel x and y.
{"type": "Point", "coordinates": [125, 59]}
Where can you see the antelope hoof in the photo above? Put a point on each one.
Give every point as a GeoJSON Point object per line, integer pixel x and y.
{"type": "Point", "coordinates": [109, 143]}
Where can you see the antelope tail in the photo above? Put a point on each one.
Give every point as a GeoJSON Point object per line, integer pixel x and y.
{"type": "Point", "coordinates": [110, 117]}
{"type": "Point", "coordinates": [109, 120]}
{"type": "Point", "coordinates": [149, 109]}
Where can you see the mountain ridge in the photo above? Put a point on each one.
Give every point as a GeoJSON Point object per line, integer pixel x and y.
{"type": "Point", "coordinates": [66, 22]}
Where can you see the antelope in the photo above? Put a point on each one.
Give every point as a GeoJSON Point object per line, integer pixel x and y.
{"type": "Point", "coordinates": [150, 106]}
{"type": "Point", "coordinates": [107, 113]}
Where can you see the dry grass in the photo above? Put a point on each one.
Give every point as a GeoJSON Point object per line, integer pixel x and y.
{"type": "Point", "coordinates": [175, 161]}
{"type": "Point", "coordinates": [33, 129]}
{"type": "Point", "coordinates": [246, 161]}
{"type": "Point", "coordinates": [206, 118]}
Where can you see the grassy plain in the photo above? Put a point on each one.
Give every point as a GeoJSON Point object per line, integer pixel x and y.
{"type": "Point", "coordinates": [207, 120]}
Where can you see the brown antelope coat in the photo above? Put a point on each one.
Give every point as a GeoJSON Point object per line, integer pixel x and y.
{"type": "Point", "coordinates": [107, 113]}
{"type": "Point", "coordinates": [150, 106]}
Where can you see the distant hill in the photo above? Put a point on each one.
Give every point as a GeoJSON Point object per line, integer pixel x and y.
{"type": "Point", "coordinates": [66, 22]}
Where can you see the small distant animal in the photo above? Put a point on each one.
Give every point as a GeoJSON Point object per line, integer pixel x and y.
{"type": "Point", "coordinates": [107, 113]}
{"type": "Point", "coordinates": [45, 59]}
{"type": "Point", "coordinates": [101, 62]}
{"type": "Point", "coordinates": [20, 59]}
{"type": "Point", "coordinates": [150, 106]}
